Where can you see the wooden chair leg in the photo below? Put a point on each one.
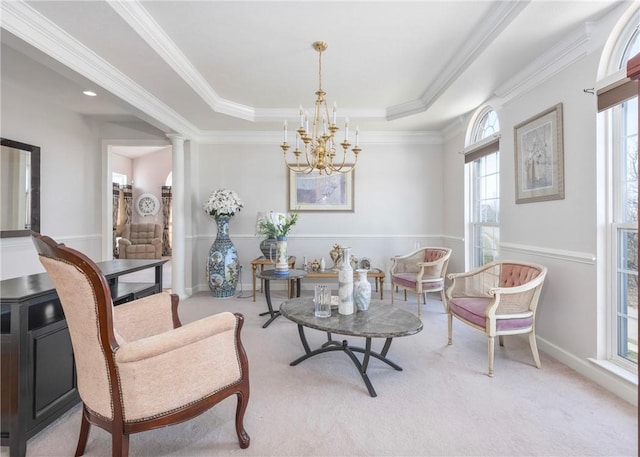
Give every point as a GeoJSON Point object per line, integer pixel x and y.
{"type": "Point", "coordinates": [450, 328]}
{"type": "Point", "coordinates": [534, 348]}
{"type": "Point", "coordinates": [119, 443]}
{"type": "Point", "coordinates": [393, 293]}
{"type": "Point", "coordinates": [490, 346]}
{"type": "Point", "coordinates": [243, 436]}
{"type": "Point", "coordinates": [85, 427]}
{"type": "Point", "coordinates": [501, 340]}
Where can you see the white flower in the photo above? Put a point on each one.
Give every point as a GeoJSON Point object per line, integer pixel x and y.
{"type": "Point", "coordinates": [222, 202]}
{"type": "Point", "coordinates": [274, 224]}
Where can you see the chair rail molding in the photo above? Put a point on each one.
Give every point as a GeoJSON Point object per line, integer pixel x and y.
{"type": "Point", "coordinates": [538, 251]}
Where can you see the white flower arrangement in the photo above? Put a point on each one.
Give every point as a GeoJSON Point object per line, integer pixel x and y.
{"type": "Point", "coordinates": [274, 225]}
{"type": "Point", "coordinates": [222, 202]}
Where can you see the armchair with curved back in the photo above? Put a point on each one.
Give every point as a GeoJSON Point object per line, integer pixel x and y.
{"type": "Point", "coordinates": [421, 271]}
{"type": "Point", "coordinates": [499, 298]}
{"type": "Point", "coordinates": [137, 367]}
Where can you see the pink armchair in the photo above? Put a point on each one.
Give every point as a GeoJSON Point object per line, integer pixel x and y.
{"type": "Point", "coordinates": [421, 271]}
{"type": "Point", "coordinates": [137, 367]}
{"type": "Point", "coordinates": [499, 298]}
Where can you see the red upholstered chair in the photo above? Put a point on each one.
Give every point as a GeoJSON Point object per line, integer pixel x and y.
{"type": "Point", "coordinates": [137, 367]}
{"type": "Point", "coordinates": [421, 271]}
{"type": "Point", "coordinates": [499, 298]}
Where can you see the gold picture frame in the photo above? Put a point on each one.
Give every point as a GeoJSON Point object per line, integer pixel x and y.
{"type": "Point", "coordinates": [310, 192]}
{"type": "Point", "coordinates": [539, 157]}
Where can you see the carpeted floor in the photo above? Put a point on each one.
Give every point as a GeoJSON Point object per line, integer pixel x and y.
{"type": "Point", "coordinates": [442, 404]}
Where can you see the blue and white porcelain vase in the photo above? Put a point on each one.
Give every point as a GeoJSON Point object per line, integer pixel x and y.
{"type": "Point", "coordinates": [345, 284]}
{"type": "Point", "coordinates": [282, 264]}
{"type": "Point", "coordinates": [362, 291]}
{"type": "Point", "coordinates": [222, 266]}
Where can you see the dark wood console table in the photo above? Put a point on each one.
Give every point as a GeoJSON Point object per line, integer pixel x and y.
{"type": "Point", "coordinates": [38, 371]}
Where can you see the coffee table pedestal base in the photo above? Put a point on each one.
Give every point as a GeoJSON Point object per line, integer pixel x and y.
{"type": "Point", "coordinates": [333, 345]}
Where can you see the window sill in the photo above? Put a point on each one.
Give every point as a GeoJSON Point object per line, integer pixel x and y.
{"type": "Point", "coordinates": [616, 370]}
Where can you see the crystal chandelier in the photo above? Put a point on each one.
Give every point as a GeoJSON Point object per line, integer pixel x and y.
{"type": "Point", "coordinates": [320, 143]}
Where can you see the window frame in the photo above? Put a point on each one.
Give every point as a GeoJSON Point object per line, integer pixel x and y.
{"type": "Point", "coordinates": [610, 106]}
{"type": "Point", "coordinates": [481, 145]}
{"type": "Point", "coordinates": [615, 224]}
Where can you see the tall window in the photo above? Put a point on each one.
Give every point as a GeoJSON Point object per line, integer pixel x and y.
{"type": "Point", "coordinates": [483, 164]}
{"type": "Point", "coordinates": [620, 105]}
{"type": "Point", "coordinates": [625, 229]}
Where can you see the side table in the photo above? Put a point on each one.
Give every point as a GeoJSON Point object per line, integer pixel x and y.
{"type": "Point", "coordinates": [270, 275]}
{"type": "Point", "coordinates": [262, 261]}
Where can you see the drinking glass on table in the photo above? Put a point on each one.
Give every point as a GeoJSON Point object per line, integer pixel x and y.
{"type": "Point", "coordinates": [322, 301]}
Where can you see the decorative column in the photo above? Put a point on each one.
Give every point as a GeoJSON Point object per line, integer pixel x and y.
{"type": "Point", "coordinates": [178, 258]}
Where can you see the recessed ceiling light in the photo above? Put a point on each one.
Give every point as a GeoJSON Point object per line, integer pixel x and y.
{"type": "Point", "coordinates": [90, 93]}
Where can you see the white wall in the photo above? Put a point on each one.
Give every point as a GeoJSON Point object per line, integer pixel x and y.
{"type": "Point", "coordinates": [123, 165]}
{"type": "Point", "coordinates": [69, 164]}
{"type": "Point", "coordinates": [560, 234]}
{"type": "Point", "coordinates": [397, 197]}
{"type": "Point", "coordinates": [71, 169]}
{"type": "Point", "coordinates": [149, 175]}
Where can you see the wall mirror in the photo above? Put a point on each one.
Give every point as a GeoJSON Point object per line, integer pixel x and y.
{"type": "Point", "coordinates": [19, 189]}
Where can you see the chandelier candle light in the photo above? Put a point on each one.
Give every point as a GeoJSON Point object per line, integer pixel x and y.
{"type": "Point", "coordinates": [319, 144]}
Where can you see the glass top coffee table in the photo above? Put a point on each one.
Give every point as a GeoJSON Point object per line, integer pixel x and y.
{"type": "Point", "coordinates": [379, 321]}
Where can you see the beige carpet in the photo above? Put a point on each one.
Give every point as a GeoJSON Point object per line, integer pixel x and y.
{"type": "Point", "coordinates": [441, 404]}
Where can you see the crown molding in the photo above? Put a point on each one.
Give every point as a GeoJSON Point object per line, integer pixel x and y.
{"type": "Point", "coordinates": [144, 25]}
{"type": "Point", "coordinates": [571, 48]}
{"type": "Point", "coordinates": [494, 22]}
{"type": "Point", "coordinates": [274, 138]}
{"type": "Point", "coordinates": [30, 26]}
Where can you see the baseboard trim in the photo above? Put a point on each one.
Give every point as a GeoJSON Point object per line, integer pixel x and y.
{"type": "Point", "coordinates": [617, 385]}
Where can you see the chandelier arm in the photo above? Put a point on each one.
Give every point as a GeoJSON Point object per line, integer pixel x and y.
{"type": "Point", "coordinates": [347, 170]}
{"type": "Point", "coordinates": [297, 168]}
{"type": "Point", "coordinates": [320, 144]}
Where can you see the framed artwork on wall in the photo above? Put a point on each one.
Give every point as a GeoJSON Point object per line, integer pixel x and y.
{"type": "Point", "coordinates": [539, 157]}
{"type": "Point", "coordinates": [321, 192]}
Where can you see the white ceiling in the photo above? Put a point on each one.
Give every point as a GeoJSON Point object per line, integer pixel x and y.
{"type": "Point", "coordinates": [205, 67]}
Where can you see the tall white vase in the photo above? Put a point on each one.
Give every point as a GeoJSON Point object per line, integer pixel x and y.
{"type": "Point", "coordinates": [345, 284]}
{"type": "Point", "coordinates": [362, 291]}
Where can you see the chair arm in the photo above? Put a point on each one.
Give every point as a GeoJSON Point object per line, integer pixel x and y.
{"type": "Point", "coordinates": [146, 316]}
{"type": "Point", "coordinates": [473, 272]}
{"type": "Point", "coordinates": [156, 241]}
{"type": "Point", "coordinates": [123, 242]}
{"type": "Point", "coordinates": [157, 345]}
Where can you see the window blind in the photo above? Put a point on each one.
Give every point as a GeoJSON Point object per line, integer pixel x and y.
{"type": "Point", "coordinates": [616, 93]}
{"type": "Point", "coordinates": [484, 148]}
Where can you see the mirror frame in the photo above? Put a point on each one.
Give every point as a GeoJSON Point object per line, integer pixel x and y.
{"type": "Point", "coordinates": [35, 188]}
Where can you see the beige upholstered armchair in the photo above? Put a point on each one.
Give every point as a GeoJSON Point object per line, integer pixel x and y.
{"type": "Point", "coordinates": [421, 271]}
{"type": "Point", "coordinates": [499, 298]}
{"type": "Point", "coordinates": [137, 367]}
{"type": "Point", "coordinates": [140, 241]}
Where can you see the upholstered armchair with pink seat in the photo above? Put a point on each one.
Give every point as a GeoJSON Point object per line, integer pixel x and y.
{"type": "Point", "coordinates": [421, 271]}
{"type": "Point", "coordinates": [498, 299]}
{"type": "Point", "coordinates": [138, 368]}
{"type": "Point", "coordinates": [140, 241]}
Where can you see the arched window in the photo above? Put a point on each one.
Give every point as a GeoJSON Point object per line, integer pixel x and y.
{"type": "Point", "coordinates": [618, 104]}
{"type": "Point", "coordinates": [483, 188]}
